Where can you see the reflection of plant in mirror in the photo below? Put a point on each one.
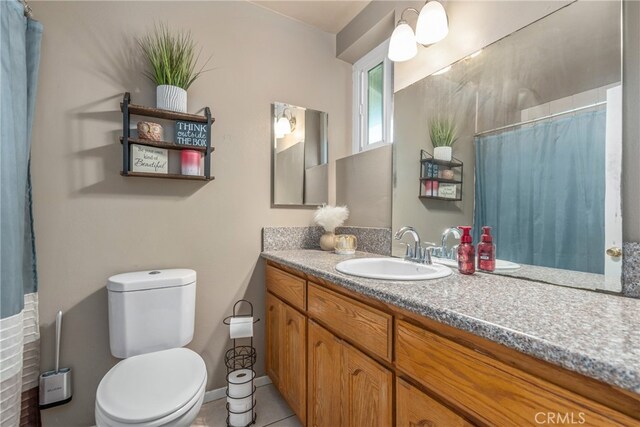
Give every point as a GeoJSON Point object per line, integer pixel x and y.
{"type": "Point", "coordinates": [442, 133]}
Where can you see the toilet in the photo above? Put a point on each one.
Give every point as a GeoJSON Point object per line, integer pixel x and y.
{"type": "Point", "coordinates": [158, 383]}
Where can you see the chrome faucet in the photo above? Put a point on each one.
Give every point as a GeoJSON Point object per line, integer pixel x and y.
{"type": "Point", "coordinates": [453, 253]}
{"type": "Point", "coordinates": [417, 253]}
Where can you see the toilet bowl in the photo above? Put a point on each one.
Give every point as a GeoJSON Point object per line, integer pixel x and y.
{"type": "Point", "coordinates": [163, 388]}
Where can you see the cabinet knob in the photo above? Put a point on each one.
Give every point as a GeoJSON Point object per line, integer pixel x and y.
{"type": "Point", "coordinates": [614, 252]}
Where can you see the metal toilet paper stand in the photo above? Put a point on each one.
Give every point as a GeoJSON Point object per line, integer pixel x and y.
{"type": "Point", "coordinates": [241, 357]}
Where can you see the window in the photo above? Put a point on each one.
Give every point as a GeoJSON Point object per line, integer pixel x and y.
{"type": "Point", "coordinates": [372, 100]}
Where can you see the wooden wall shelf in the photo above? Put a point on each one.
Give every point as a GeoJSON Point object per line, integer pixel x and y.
{"type": "Point", "coordinates": [141, 110]}
{"type": "Point", "coordinates": [128, 109]}
{"type": "Point", "coordinates": [165, 144]}
{"type": "Point", "coordinates": [168, 176]}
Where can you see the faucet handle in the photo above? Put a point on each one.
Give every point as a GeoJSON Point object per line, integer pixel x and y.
{"type": "Point", "coordinates": [408, 253]}
{"type": "Point", "coordinates": [425, 253]}
{"type": "Point", "coordinates": [454, 252]}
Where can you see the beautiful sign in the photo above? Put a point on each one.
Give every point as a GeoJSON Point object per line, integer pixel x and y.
{"type": "Point", "coordinates": [191, 133]}
{"type": "Point", "coordinates": [448, 191]}
{"type": "Point", "coordinates": [149, 159]}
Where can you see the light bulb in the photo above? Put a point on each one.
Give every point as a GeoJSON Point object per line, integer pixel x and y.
{"type": "Point", "coordinates": [402, 45]}
{"type": "Point", "coordinates": [433, 24]}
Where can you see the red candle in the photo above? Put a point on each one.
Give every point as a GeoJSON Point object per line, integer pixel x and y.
{"type": "Point", "coordinates": [190, 162]}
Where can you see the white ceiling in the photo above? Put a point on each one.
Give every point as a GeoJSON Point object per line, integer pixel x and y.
{"type": "Point", "coordinates": [328, 15]}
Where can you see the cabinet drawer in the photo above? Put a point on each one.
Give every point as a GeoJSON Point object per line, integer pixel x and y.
{"type": "Point", "coordinates": [365, 326]}
{"type": "Point", "coordinates": [492, 391]}
{"type": "Point", "coordinates": [414, 408]}
{"type": "Point", "coordinates": [287, 286]}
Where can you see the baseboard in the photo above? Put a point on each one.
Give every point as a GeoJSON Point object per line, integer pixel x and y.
{"type": "Point", "coordinates": [221, 392]}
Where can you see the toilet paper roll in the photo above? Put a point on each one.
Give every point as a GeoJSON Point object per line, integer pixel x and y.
{"type": "Point", "coordinates": [240, 420]}
{"type": "Point", "coordinates": [239, 405]}
{"type": "Point", "coordinates": [241, 327]}
{"type": "Point", "coordinates": [240, 384]}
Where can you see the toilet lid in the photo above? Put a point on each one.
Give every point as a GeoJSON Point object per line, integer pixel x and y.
{"type": "Point", "coordinates": [151, 386]}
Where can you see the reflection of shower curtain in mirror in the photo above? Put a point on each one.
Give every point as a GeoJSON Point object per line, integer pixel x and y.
{"type": "Point", "coordinates": [541, 188]}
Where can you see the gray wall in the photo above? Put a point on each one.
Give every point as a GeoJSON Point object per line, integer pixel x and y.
{"type": "Point", "coordinates": [288, 175]}
{"type": "Point", "coordinates": [364, 186]}
{"type": "Point", "coordinates": [92, 223]}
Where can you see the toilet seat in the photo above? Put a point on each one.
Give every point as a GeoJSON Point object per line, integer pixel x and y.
{"type": "Point", "coordinates": [151, 389]}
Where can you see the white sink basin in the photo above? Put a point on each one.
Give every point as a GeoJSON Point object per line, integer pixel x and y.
{"type": "Point", "coordinates": [392, 269]}
{"type": "Point", "coordinates": [500, 263]}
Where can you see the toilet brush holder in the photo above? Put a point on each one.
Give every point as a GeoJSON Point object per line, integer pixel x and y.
{"type": "Point", "coordinates": [55, 386]}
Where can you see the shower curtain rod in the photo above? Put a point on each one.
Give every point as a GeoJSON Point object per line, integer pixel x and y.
{"type": "Point", "coordinates": [28, 12]}
{"type": "Point", "coordinates": [550, 116]}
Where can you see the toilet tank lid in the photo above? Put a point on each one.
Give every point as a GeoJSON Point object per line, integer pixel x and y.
{"type": "Point", "coordinates": [151, 279]}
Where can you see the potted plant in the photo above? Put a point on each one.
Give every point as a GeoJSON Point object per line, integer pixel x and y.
{"type": "Point", "coordinates": [443, 136]}
{"type": "Point", "coordinates": [172, 59]}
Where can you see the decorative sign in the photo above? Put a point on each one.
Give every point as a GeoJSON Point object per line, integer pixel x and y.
{"type": "Point", "coordinates": [191, 133]}
{"type": "Point", "coordinates": [448, 191]}
{"type": "Point", "coordinates": [149, 159]}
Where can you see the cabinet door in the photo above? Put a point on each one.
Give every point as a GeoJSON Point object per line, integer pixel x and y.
{"type": "Point", "coordinates": [325, 377]}
{"type": "Point", "coordinates": [416, 409]}
{"type": "Point", "coordinates": [294, 361]}
{"type": "Point", "coordinates": [366, 390]}
{"type": "Point", "coordinates": [274, 339]}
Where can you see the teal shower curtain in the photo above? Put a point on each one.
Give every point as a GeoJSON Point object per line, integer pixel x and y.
{"type": "Point", "coordinates": [19, 56]}
{"type": "Point", "coordinates": [541, 189]}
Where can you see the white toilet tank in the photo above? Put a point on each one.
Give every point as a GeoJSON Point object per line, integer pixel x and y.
{"type": "Point", "coordinates": [151, 311]}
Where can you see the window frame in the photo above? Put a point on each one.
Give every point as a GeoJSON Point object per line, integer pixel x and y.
{"type": "Point", "coordinates": [360, 98]}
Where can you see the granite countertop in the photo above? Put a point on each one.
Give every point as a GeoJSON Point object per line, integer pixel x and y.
{"type": "Point", "coordinates": [595, 334]}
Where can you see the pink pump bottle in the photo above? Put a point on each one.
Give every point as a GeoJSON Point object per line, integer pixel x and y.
{"type": "Point", "coordinates": [486, 251]}
{"type": "Point", "coordinates": [466, 252]}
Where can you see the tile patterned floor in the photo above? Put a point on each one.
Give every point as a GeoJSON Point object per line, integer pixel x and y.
{"type": "Point", "coordinates": [271, 408]}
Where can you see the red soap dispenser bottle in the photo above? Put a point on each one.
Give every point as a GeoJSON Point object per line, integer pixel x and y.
{"type": "Point", "coordinates": [466, 252]}
{"type": "Point", "coordinates": [486, 251]}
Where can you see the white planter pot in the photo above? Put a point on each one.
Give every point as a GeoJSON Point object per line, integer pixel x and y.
{"type": "Point", "coordinates": [442, 153]}
{"type": "Point", "coordinates": [171, 98]}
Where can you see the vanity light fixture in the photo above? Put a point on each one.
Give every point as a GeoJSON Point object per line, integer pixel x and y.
{"type": "Point", "coordinates": [432, 26]}
{"type": "Point", "coordinates": [285, 124]}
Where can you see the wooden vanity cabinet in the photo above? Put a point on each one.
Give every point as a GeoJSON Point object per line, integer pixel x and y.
{"type": "Point", "coordinates": [343, 359]}
{"type": "Point", "coordinates": [415, 408]}
{"type": "Point", "coordinates": [286, 353]}
{"type": "Point", "coordinates": [324, 377]}
{"type": "Point", "coordinates": [346, 387]}
{"type": "Point", "coordinates": [273, 342]}
{"type": "Point", "coordinates": [367, 389]}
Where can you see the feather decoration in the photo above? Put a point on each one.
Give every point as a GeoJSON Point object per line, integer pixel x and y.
{"type": "Point", "coordinates": [330, 217]}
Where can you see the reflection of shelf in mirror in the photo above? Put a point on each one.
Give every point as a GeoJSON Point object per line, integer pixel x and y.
{"type": "Point", "coordinates": [441, 198]}
{"type": "Point", "coordinates": [166, 144]}
{"type": "Point", "coordinates": [167, 176]}
{"type": "Point", "coordinates": [448, 181]}
{"type": "Point", "coordinates": [451, 164]}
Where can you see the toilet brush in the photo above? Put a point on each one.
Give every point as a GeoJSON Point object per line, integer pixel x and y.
{"type": "Point", "coordinates": [55, 386]}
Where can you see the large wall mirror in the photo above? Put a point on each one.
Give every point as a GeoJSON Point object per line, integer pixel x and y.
{"type": "Point", "coordinates": [299, 156]}
{"type": "Point", "coordinates": [538, 116]}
